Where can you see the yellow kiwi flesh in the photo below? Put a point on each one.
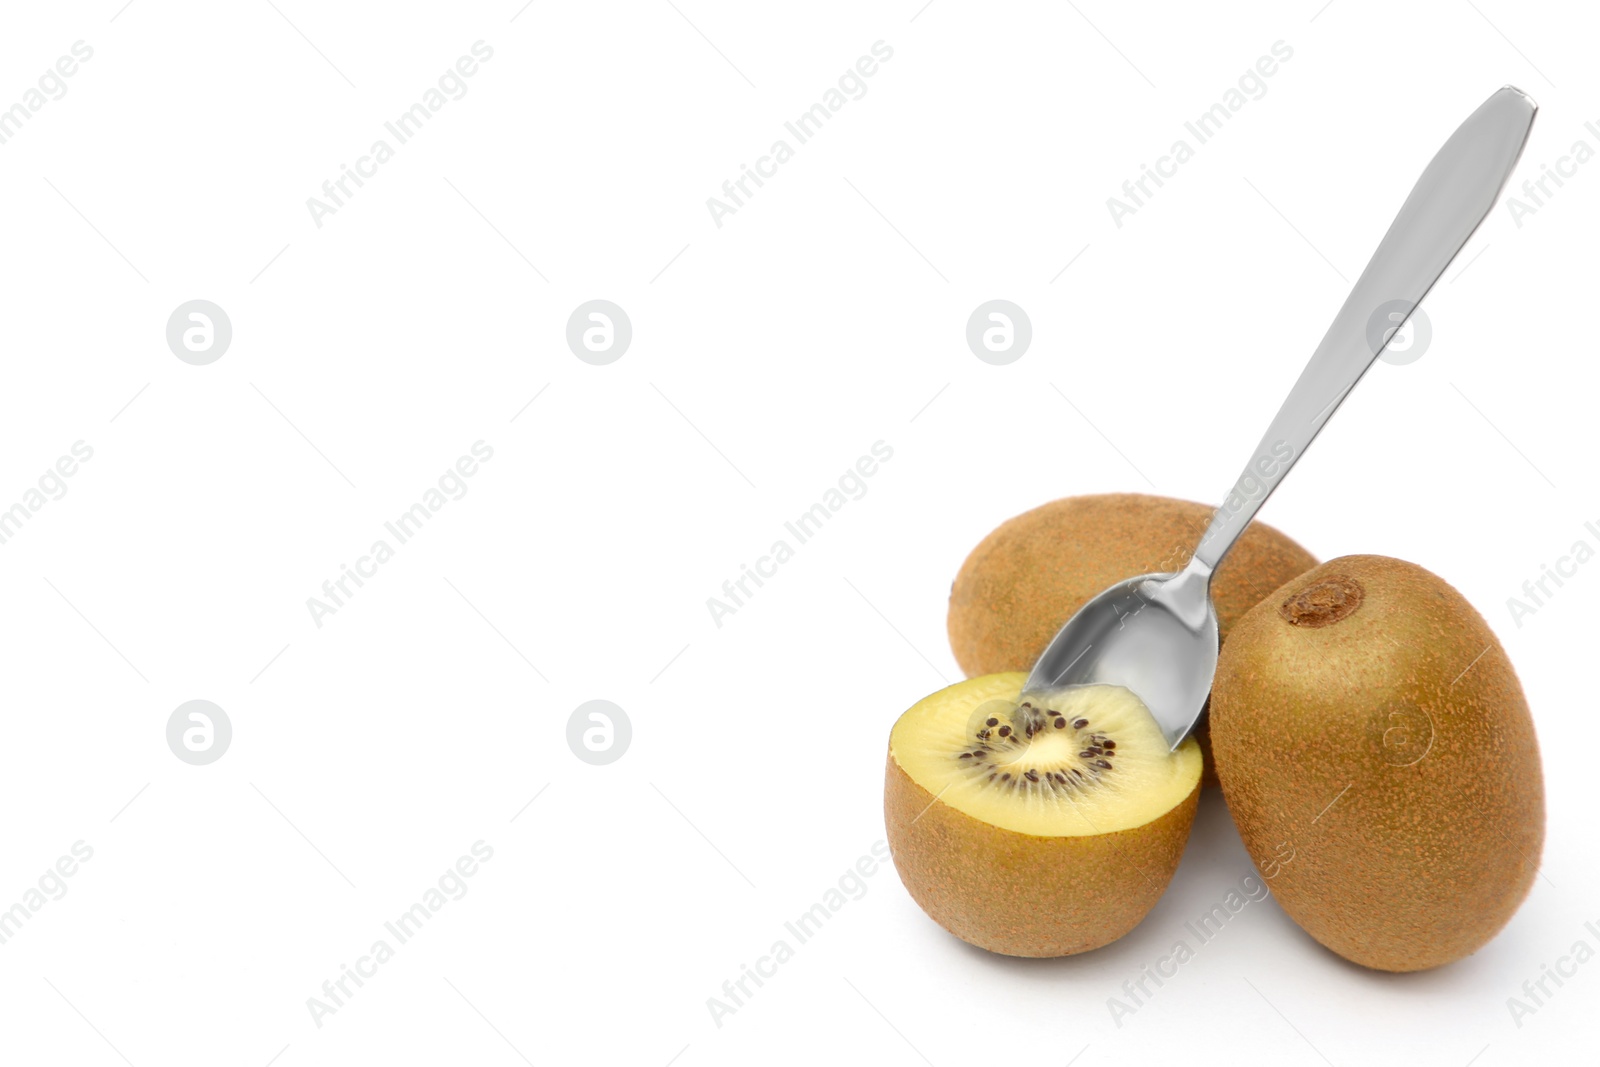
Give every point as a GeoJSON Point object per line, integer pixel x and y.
{"type": "Point", "coordinates": [1380, 762]}
{"type": "Point", "coordinates": [1038, 828]}
{"type": "Point", "coordinates": [1033, 572]}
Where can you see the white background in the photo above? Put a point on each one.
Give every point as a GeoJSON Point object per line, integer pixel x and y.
{"type": "Point", "coordinates": [768, 355]}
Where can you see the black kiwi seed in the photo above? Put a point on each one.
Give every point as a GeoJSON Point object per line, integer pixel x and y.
{"type": "Point", "coordinates": [1005, 731]}
{"type": "Point", "coordinates": [1006, 777]}
{"type": "Point", "coordinates": [991, 722]}
{"type": "Point", "coordinates": [1060, 723]}
{"type": "Point", "coordinates": [1087, 753]}
{"type": "Point", "coordinates": [1078, 724]}
{"type": "Point", "coordinates": [1033, 776]}
{"type": "Point", "coordinates": [1103, 763]}
{"type": "Point", "coordinates": [1110, 744]}
{"type": "Point", "coordinates": [965, 755]}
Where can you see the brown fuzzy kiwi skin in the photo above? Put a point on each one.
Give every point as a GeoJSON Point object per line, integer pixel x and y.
{"type": "Point", "coordinates": [1377, 755]}
{"type": "Point", "coordinates": [1022, 895]}
{"type": "Point", "coordinates": [1033, 572]}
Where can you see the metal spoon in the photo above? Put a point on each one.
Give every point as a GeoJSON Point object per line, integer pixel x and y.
{"type": "Point", "coordinates": [1156, 634]}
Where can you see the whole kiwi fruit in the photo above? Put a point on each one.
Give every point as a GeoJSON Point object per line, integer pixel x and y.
{"type": "Point", "coordinates": [1377, 755]}
{"type": "Point", "coordinates": [1033, 572]}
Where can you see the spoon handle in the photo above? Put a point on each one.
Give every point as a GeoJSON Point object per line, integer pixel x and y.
{"type": "Point", "coordinates": [1450, 200]}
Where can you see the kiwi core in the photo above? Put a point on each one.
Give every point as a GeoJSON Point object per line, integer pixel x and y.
{"type": "Point", "coordinates": [1081, 761]}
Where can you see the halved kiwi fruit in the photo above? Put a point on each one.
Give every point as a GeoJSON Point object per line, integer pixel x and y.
{"type": "Point", "coordinates": [1039, 827]}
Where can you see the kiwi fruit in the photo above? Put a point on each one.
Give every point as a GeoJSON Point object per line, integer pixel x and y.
{"type": "Point", "coordinates": [1377, 755]}
{"type": "Point", "coordinates": [1044, 827]}
{"type": "Point", "coordinates": [1028, 577]}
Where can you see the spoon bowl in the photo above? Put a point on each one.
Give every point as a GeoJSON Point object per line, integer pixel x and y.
{"type": "Point", "coordinates": [1155, 634]}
